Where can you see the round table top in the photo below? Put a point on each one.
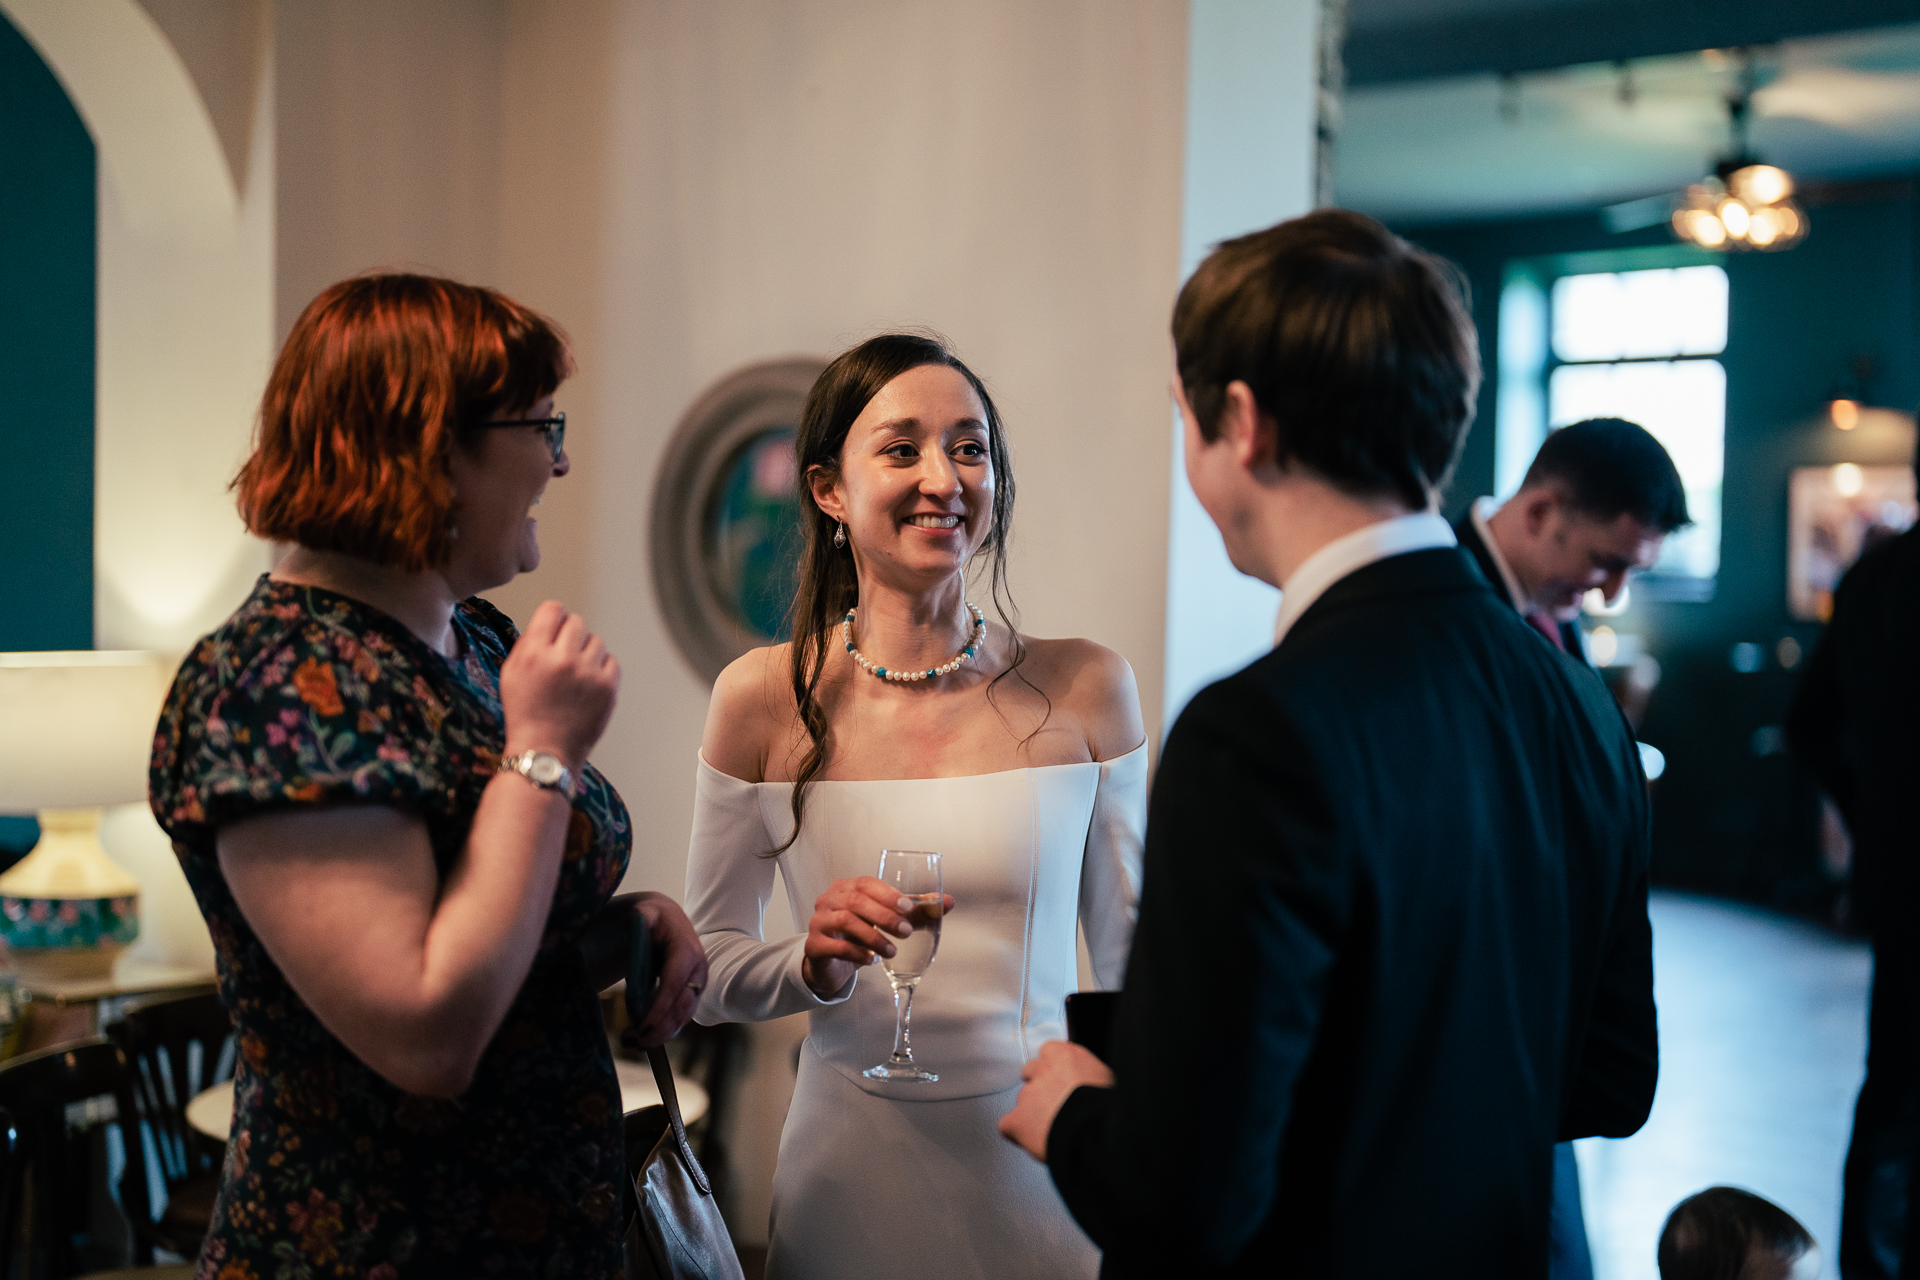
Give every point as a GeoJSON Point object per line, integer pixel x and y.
{"type": "Point", "coordinates": [211, 1112]}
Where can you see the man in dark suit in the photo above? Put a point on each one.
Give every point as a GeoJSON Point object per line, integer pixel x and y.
{"type": "Point", "coordinates": [1855, 721]}
{"type": "Point", "coordinates": [1393, 938]}
{"type": "Point", "coordinates": [1596, 504]}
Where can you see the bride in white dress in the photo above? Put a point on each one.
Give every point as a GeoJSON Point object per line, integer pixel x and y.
{"type": "Point", "coordinates": [914, 726]}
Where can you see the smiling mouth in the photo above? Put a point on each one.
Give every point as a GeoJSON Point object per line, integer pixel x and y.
{"type": "Point", "coordinates": [933, 522]}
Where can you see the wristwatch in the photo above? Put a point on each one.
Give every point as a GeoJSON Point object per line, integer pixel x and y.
{"type": "Point", "coordinates": [543, 770]}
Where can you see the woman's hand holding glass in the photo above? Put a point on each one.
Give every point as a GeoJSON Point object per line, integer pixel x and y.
{"type": "Point", "coordinates": [855, 923]}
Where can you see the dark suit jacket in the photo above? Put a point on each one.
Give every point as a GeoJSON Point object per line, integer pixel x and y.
{"type": "Point", "coordinates": [1476, 546]}
{"type": "Point", "coordinates": [1392, 944]}
{"type": "Point", "coordinates": [1855, 720]}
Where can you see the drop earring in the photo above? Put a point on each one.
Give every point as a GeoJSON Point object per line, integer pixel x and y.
{"type": "Point", "coordinates": [840, 534]}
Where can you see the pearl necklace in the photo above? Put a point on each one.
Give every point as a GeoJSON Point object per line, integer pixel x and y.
{"type": "Point", "coordinates": [959, 659]}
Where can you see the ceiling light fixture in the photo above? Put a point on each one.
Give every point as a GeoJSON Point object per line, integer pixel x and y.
{"type": "Point", "coordinates": [1744, 204]}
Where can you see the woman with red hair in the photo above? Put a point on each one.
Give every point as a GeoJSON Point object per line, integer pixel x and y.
{"type": "Point", "coordinates": [380, 795]}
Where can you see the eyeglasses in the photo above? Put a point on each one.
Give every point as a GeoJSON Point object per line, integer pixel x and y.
{"type": "Point", "coordinates": [554, 428]}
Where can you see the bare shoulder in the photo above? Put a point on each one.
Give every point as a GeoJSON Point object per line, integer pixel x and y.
{"type": "Point", "coordinates": [750, 712]}
{"type": "Point", "coordinates": [1095, 686]}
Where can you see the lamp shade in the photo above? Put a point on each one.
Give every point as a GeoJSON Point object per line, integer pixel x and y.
{"type": "Point", "coordinates": [76, 728]}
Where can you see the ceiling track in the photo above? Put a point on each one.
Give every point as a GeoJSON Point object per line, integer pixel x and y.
{"type": "Point", "coordinates": [1546, 36]}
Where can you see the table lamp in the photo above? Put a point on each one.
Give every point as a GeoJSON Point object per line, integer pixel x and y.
{"type": "Point", "coordinates": [76, 729]}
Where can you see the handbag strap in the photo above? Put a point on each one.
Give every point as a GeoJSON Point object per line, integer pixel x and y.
{"type": "Point", "coordinates": [663, 1077]}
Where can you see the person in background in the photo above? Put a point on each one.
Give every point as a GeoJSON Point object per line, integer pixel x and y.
{"type": "Point", "coordinates": [1724, 1233]}
{"type": "Point", "coordinates": [1597, 504]}
{"type": "Point", "coordinates": [898, 717]}
{"type": "Point", "coordinates": [1855, 722]}
{"type": "Point", "coordinates": [1393, 937]}
{"type": "Point", "coordinates": [380, 794]}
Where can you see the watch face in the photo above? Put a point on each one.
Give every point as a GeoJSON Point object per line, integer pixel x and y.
{"type": "Point", "coordinates": [545, 770]}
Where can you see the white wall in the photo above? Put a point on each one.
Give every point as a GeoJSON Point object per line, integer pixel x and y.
{"type": "Point", "coordinates": [1251, 88]}
{"type": "Point", "coordinates": [390, 139]}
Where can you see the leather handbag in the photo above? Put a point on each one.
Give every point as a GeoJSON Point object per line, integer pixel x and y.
{"type": "Point", "coordinates": [676, 1232]}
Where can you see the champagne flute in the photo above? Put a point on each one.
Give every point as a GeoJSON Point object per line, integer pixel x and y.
{"type": "Point", "coordinates": [916, 876]}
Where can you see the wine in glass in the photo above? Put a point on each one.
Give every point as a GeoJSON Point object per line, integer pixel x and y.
{"type": "Point", "coordinates": [917, 877]}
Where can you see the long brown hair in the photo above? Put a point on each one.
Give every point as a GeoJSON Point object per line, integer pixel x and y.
{"type": "Point", "coordinates": [828, 585]}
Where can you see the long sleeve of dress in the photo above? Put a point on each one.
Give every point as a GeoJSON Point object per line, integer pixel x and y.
{"type": "Point", "coordinates": [729, 882]}
{"type": "Point", "coordinates": [1110, 870]}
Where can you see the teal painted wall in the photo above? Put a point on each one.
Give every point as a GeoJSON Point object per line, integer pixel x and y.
{"type": "Point", "coordinates": [47, 236]}
{"type": "Point", "coordinates": [1733, 815]}
{"type": "Point", "coordinates": [47, 217]}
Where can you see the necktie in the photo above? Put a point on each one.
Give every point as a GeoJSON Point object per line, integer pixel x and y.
{"type": "Point", "coordinates": [1547, 627]}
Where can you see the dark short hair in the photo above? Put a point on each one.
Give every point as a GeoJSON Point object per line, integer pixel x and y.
{"type": "Point", "coordinates": [1709, 1236]}
{"type": "Point", "coordinates": [378, 377]}
{"type": "Point", "coordinates": [1357, 344]}
{"type": "Point", "coordinates": [1610, 467]}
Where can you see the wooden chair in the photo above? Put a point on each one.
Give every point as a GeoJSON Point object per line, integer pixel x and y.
{"type": "Point", "coordinates": [175, 1050]}
{"type": "Point", "coordinates": [46, 1179]}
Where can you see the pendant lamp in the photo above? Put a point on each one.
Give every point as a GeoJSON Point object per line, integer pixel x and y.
{"type": "Point", "coordinates": [1744, 204]}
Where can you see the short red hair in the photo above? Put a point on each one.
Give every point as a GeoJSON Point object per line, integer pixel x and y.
{"type": "Point", "coordinates": [377, 379]}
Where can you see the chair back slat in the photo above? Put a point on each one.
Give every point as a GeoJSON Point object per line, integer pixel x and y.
{"type": "Point", "coordinates": [177, 1048]}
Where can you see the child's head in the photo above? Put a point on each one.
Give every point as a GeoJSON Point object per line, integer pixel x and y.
{"type": "Point", "coordinates": [1724, 1233]}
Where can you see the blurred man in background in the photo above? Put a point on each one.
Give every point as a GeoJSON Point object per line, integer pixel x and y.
{"type": "Point", "coordinates": [1596, 505]}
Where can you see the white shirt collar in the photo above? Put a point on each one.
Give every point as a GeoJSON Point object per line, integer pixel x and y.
{"type": "Point", "coordinates": [1344, 555]}
{"type": "Point", "coordinates": [1483, 509]}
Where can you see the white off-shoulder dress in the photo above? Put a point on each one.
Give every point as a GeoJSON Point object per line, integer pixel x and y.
{"type": "Point", "coordinates": [880, 1176]}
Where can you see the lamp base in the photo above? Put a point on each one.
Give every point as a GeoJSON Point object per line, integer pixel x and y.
{"type": "Point", "coordinates": [67, 910]}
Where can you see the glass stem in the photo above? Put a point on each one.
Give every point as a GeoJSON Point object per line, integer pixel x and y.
{"type": "Point", "coordinates": [902, 1019]}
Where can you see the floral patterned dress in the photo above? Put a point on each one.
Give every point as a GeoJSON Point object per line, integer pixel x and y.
{"type": "Point", "coordinates": [302, 698]}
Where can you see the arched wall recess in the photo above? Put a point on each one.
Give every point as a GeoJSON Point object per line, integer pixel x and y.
{"type": "Point", "coordinates": [185, 321]}
{"type": "Point", "coordinates": [153, 132]}
{"type": "Point", "coordinates": [185, 341]}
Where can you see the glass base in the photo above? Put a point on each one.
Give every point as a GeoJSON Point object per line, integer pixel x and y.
{"type": "Point", "coordinates": [900, 1071]}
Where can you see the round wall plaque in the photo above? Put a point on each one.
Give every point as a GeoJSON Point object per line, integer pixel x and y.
{"type": "Point", "coordinates": [726, 527]}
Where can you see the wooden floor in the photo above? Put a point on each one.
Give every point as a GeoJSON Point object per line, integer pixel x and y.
{"type": "Point", "coordinates": [1762, 1038]}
